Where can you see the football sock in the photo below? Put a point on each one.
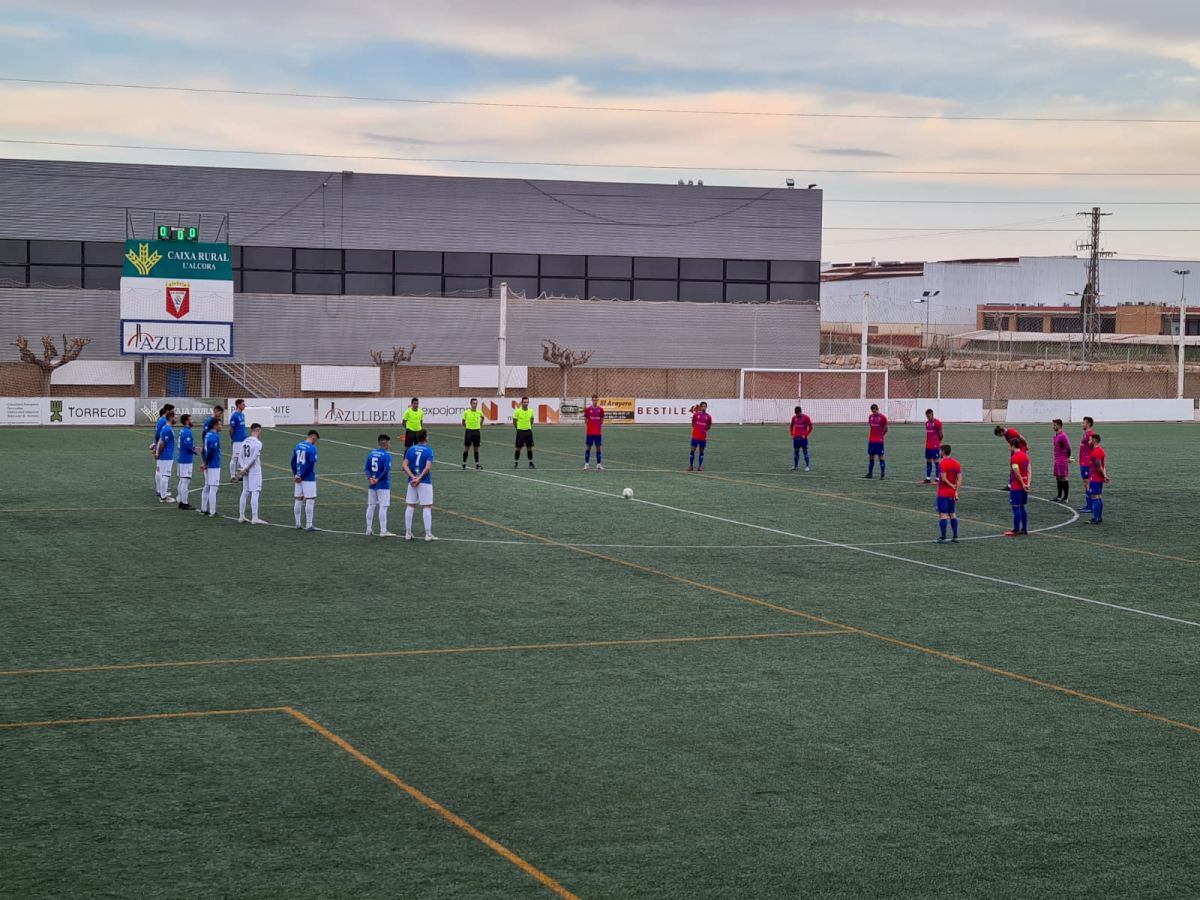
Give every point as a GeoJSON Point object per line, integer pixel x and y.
{"type": "Point", "coordinates": [476, 454]}
{"type": "Point", "coordinates": [1066, 488]}
{"type": "Point", "coordinates": [183, 489]}
{"type": "Point", "coordinates": [599, 456]}
{"type": "Point", "coordinates": [587, 455]}
{"type": "Point", "coordinates": [464, 456]}
{"type": "Point", "coordinates": [954, 525]}
{"type": "Point", "coordinates": [942, 527]}
{"type": "Point", "coordinates": [254, 504]}
{"type": "Point", "coordinates": [299, 508]}
{"type": "Point", "coordinates": [517, 455]}
{"type": "Point", "coordinates": [1024, 518]}
{"type": "Point", "coordinates": [310, 508]}
{"type": "Point", "coordinates": [806, 456]}
{"type": "Point", "coordinates": [204, 498]}
{"type": "Point", "coordinates": [408, 517]}
{"type": "Point", "coordinates": [1097, 508]}
{"type": "Point", "coordinates": [795, 458]}
{"type": "Point", "coordinates": [242, 503]}
{"type": "Point", "coordinates": [928, 469]}
{"type": "Point", "coordinates": [870, 465]}
{"type": "Point", "coordinates": [882, 467]}
{"type": "Point", "coordinates": [529, 455]}
{"type": "Point", "coordinates": [1087, 496]}
{"type": "Point", "coordinates": [702, 459]}
{"type": "Point", "coordinates": [937, 470]}
{"type": "Point", "coordinates": [427, 519]}
{"type": "Point", "coordinates": [382, 518]}
{"type": "Point", "coordinates": [1016, 518]}
{"type": "Point", "coordinates": [692, 458]}
{"type": "Point", "coordinates": [370, 511]}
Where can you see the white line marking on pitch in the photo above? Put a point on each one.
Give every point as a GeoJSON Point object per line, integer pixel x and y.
{"type": "Point", "coordinates": [851, 547]}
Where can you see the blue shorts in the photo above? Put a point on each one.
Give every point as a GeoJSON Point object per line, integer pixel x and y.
{"type": "Point", "coordinates": [874, 448]}
{"type": "Point", "coordinates": [1018, 498]}
{"type": "Point", "coordinates": [947, 505]}
{"type": "Point", "coordinates": [593, 440]}
{"type": "Point", "coordinates": [933, 453]}
{"type": "Point", "coordinates": [1095, 488]}
{"type": "Point", "coordinates": [799, 443]}
{"type": "Point", "coordinates": [1084, 472]}
{"type": "Point", "coordinates": [698, 443]}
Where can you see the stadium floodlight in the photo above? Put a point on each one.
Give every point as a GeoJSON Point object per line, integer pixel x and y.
{"type": "Point", "coordinates": [791, 182]}
{"type": "Point", "coordinates": [927, 298]}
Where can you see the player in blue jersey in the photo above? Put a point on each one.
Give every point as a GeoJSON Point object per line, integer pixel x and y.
{"type": "Point", "coordinates": [378, 469]}
{"type": "Point", "coordinates": [162, 420]}
{"type": "Point", "coordinates": [218, 415]}
{"type": "Point", "coordinates": [304, 473]}
{"type": "Point", "coordinates": [187, 452]}
{"type": "Point", "coordinates": [164, 452]}
{"type": "Point", "coordinates": [210, 465]}
{"type": "Point", "coordinates": [418, 468]}
{"type": "Point", "coordinates": [237, 435]}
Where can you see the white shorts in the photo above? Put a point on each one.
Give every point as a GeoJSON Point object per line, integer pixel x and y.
{"type": "Point", "coordinates": [212, 477]}
{"type": "Point", "coordinates": [379, 496]}
{"type": "Point", "coordinates": [422, 494]}
{"type": "Point", "coordinates": [253, 481]}
{"type": "Point", "coordinates": [165, 465]}
{"type": "Point", "coordinates": [184, 470]}
{"type": "Point", "coordinates": [306, 490]}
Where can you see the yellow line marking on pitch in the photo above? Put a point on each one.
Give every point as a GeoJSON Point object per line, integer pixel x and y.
{"type": "Point", "coordinates": [198, 714]}
{"type": "Point", "coordinates": [429, 803]}
{"type": "Point", "coordinates": [432, 651]}
{"type": "Point", "coordinates": [853, 629]}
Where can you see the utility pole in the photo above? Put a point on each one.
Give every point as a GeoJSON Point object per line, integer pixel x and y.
{"type": "Point", "coordinates": [1089, 311]}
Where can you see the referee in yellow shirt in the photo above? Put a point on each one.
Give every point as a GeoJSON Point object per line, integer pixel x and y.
{"type": "Point", "coordinates": [472, 420]}
{"type": "Point", "coordinates": [523, 423]}
{"type": "Point", "coordinates": [414, 421]}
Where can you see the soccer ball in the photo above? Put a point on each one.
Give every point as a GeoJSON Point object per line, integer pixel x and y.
{"type": "Point", "coordinates": [627, 493]}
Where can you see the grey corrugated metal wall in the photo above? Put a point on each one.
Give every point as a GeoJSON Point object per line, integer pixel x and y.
{"type": "Point", "coordinates": [48, 200]}
{"type": "Point", "coordinates": [455, 331]}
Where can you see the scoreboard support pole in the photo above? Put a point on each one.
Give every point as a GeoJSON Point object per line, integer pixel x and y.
{"type": "Point", "coordinates": [145, 375]}
{"type": "Point", "coordinates": [205, 377]}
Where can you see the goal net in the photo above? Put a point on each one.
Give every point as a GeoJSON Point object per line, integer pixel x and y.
{"type": "Point", "coordinates": [829, 396]}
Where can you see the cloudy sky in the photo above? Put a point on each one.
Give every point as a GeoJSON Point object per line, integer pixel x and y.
{"type": "Point", "coordinates": [878, 103]}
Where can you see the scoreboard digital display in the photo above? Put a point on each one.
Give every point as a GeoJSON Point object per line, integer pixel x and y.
{"type": "Point", "coordinates": [178, 233]}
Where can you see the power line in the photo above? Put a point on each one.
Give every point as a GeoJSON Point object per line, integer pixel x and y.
{"type": "Point", "coordinates": [430, 101]}
{"type": "Point", "coordinates": [589, 165]}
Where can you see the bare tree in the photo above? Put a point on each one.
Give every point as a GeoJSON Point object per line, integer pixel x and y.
{"type": "Point", "coordinates": [399, 355]}
{"type": "Point", "coordinates": [50, 360]}
{"type": "Point", "coordinates": [565, 358]}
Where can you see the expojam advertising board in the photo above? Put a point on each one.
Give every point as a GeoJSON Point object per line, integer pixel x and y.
{"type": "Point", "coordinates": [176, 299]}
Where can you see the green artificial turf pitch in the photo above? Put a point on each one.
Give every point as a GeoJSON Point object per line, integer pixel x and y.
{"type": "Point", "coordinates": [747, 682]}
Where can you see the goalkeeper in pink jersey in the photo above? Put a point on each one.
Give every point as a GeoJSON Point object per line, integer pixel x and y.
{"type": "Point", "coordinates": [1062, 462]}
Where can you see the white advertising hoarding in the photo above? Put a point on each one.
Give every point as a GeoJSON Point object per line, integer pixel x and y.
{"type": "Point", "coordinates": [67, 410]}
{"type": "Point", "coordinates": [287, 410]}
{"type": "Point", "coordinates": [144, 338]}
{"type": "Point", "coordinates": [438, 410]}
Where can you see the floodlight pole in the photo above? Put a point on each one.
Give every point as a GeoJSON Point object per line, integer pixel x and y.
{"type": "Point", "coordinates": [862, 364]}
{"type": "Point", "coordinates": [502, 341]}
{"type": "Point", "coordinates": [1183, 274]}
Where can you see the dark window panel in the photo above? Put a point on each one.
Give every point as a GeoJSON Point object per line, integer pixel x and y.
{"type": "Point", "coordinates": [235, 255]}
{"type": "Point", "coordinates": [1058, 324]}
{"type": "Point", "coordinates": [702, 269]}
{"type": "Point", "coordinates": [1108, 324]}
{"type": "Point", "coordinates": [368, 283]}
{"type": "Point", "coordinates": [103, 253]}
{"type": "Point", "coordinates": [468, 264]}
{"type": "Point", "coordinates": [237, 281]}
{"type": "Point", "coordinates": [318, 260]}
{"type": "Point", "coordinates": [608, 290]}
{"type": "Point", "coordinates": [562, 287]}
{"type": "Point", "coordinates": [702, 291]}
{"type": "Point", "coordinates": [369, 261]}
{"type": "Point", "coordinates": [418, 284]}
{"type": "Point", "coordinates": [1030, 323]}
{"type": "Point", "coordinates": [656, 290]}
{"type": "Point", "coordinates": [63, 253]}
{"type": "Point", "coordinates": [796, 270]}
{"type": "Point", "coordinates": [656, 267]}
{"type": "Point", "coordinates": [276, 258]}
{"type": "Point", "coordinates": [609, 266]}
{"type": "Point", "coordinates": [456, 285]}
{"type": "Point", "coordinates": [266, 282]}
{"type": "Point", "coordinates": [318, 283]}
{"type": "Point", "coordinates": [103, 278]}
{"type": "Point", "coordinates": [526, 286]}
{"type": "Point", "coordinates": [418, 262]}
{"type": "Point", "coordinates": [14, 253]}
{"type": "Point", "coordinates": [515, 264]}
{"type": "Point", "coordinates": [56, 276]}
{"type": "Point", "coordinates": [746, 270]}
{"type": "Point", "coordinates": [793, 291]}
{"type": "Point", "coordinates": [556, 266]}
{"type": "Point", "coordinates": [12, 276]}
{"type": "Point", "coordinates": [745, 292]}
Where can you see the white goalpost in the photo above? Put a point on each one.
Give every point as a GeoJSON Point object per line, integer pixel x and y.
{"type": "Point", "coordinates": [827, 395]}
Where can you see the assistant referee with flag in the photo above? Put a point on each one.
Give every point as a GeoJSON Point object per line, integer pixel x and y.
{"type": "Point", "coordinates": [414, 421]}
